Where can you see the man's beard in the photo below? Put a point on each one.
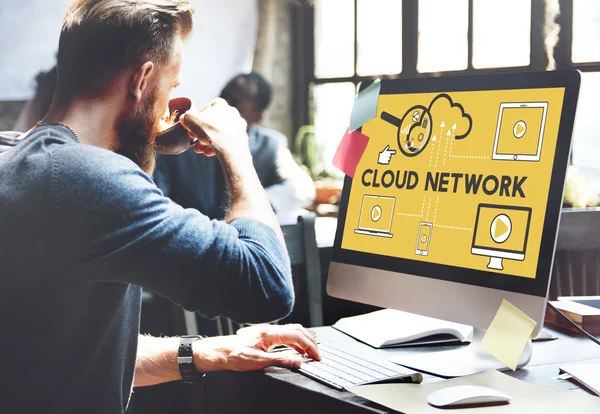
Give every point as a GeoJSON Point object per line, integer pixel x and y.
{"type": "Point", "coordinates": [137, 134]}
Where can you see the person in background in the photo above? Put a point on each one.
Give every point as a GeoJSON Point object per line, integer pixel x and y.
{"type": "Point", "coordinates": [84, 228]}
{"type": "Point", "coordinates": [288, 187]}
{"type": "Point", "coordinates": [38, 106]}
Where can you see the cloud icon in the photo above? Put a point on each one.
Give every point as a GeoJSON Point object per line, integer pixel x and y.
{"type": "Point", "coordinates": [419, 124]}
{"type": "Point", "coordinates": [450, 116]}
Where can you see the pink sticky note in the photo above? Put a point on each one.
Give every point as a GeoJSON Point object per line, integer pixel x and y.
{"type": "Point", "coordinates": [350, 151]}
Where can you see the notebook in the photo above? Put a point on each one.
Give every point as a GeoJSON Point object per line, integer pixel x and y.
{"type": "Point", "coordinates": [392, 328]}
{"type": "Point", "coordinates": [587, 317]}
{"type": "Point", "coordinates": [593, 301]}
{"type": "Point", "coordinates": [586, 374]}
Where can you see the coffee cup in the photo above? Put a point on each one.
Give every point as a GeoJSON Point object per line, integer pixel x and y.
{"type": "Point", "coordinates": [175, 139]}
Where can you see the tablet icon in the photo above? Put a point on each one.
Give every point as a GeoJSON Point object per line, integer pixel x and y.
{"type": "Point", "coordinates": [520, 131]}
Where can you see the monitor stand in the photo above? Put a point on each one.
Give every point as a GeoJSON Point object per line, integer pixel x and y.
{"type": "Point", "coordinates": [495, 263]}
{"type": "Point", "coordinates": [461, 361]}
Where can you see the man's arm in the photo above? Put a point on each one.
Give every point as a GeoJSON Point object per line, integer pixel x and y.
{"type": "Point", "coordinates": [223, 134]}
{"type": "Point", "coordinates": [156, 360]}
{"type": "Point", "coordinates": [125, 230]}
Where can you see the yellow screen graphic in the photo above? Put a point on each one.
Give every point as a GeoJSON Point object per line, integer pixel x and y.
{"type": "Point", "coordinates": [457, 178]}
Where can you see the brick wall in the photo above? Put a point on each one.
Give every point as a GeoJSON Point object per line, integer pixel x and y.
{"type": "Point", "coordinates": [273, 59]}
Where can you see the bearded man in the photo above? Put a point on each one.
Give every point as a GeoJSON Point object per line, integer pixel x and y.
{"type": "Point", "coordinates": [83, 227]}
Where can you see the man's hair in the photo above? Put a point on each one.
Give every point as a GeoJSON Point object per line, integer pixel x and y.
{"type": "Point", "coordinates": [100, 38]}
{"type": "Point", "coordinates": [262, 99]}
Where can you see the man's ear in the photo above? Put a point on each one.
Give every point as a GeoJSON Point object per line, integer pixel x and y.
{"type": "Point", "coordinates": [139, 80]}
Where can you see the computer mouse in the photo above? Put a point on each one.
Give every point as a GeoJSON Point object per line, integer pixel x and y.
{"type": "Point", "coordinates": [465, 395]}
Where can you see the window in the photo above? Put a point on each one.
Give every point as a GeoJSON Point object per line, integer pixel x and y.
{"type": "Point", "coordinates": [333, 104]}
{"type": "Point", "coordinates": [379, 49]}
{"type": "Point", "coordinates": [358, 40]}
{"type": "Point", "coordinates": [334, 38]}
{"type": "Point", "coordinates": [501, 33]}
{"type": "Point", "coordinates": [586, 134]}
{"type": "Point", "coordinates": [443, 42]}
{"type": "Point", "coordinates": [354, 40]}
{"type": "Point", "coordinates": [586, 31]}
{"type": "Point", "coordinates": [585, 56]}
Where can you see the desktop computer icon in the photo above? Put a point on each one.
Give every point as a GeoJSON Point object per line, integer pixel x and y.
{"type": "Point", "coordinates": [501, 232]}
{"type": "Point", "coordinates": [451, 283]}
{"type": "Point", "coordinates": [520, 131]}
{"type": "Point", "coordinates": [376, 216]}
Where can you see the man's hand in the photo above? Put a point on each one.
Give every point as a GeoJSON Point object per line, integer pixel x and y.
{"type": "Point", "coordinates": [219, 128]}
{"type": "Point", "coordinates": [248, 350]}
{"type": "Point", "coordinates": [221, 131]}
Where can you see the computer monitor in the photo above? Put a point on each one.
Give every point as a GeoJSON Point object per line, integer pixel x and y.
{"type": "Point", "coordinates": [477, 196]}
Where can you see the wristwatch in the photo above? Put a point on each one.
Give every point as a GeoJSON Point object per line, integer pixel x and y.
{"type": "Point", "coordinates": [185, 359]}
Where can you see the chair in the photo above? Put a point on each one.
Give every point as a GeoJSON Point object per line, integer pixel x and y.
{"type": "Point", "coordinates": [301, 242]}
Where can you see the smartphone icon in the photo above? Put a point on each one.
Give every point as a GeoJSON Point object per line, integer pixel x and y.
{"type": "Point", "coordinates": [423, 239]}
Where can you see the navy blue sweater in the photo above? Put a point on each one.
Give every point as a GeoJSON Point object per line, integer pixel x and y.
{"type": "Point", "coordinates": [210, 195]}
{"type": "Point", "coordinates": [82, 229]}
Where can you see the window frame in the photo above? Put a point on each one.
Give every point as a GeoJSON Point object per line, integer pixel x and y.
{"type": "Point", "coordinates": [304, 48]}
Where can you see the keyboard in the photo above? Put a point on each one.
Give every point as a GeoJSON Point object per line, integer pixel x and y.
{"type": "Point", "coordinates": [340, 369]}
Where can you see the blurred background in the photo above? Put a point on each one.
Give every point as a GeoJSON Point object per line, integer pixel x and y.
{"type": "Point", "coordinates": [222, 45]}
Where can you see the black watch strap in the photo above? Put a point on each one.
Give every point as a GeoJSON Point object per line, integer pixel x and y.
{"type": "Point", "coordinates": [185, 359]}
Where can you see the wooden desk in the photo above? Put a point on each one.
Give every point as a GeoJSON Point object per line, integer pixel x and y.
{"type": "Point", "coordinates": [278, 390]}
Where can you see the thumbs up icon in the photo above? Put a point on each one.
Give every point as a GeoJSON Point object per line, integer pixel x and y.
{"type": "Point", "coordinates": [386, 155]}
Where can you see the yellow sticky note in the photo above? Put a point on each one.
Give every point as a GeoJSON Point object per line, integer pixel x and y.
{"type": "Point", "coordinates": [508, 334]}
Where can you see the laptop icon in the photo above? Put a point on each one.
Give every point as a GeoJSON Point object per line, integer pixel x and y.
{"type": "Point", "coordinates": [376, 214]}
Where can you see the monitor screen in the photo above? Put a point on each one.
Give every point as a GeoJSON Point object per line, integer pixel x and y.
{"type": "Point", "coordinates": [461, 180]}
